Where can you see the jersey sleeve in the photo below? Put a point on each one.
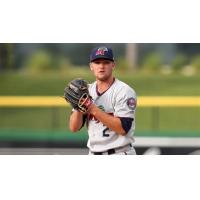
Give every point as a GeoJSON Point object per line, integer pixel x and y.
{"type": "Point", "coordinates": [125, 103]}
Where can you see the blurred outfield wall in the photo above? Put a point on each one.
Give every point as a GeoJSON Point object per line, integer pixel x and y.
{"type": "Point", "coordinates": [43, 121]}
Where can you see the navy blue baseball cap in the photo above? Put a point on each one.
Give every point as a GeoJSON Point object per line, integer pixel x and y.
{"type": "Point", "coordinates": [101, 52]}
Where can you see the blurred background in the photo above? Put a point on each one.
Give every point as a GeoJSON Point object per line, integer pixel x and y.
{"type": "Point", "coordinates": [43, 70]}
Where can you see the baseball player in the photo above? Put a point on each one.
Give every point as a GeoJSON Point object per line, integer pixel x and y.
{"type": "Point", "coordinates": [107, 106]}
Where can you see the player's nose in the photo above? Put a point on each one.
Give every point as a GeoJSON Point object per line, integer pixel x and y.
{"type": "Point", "coordinates": [101, 66]}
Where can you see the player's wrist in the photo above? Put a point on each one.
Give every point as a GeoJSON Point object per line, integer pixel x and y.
{"type": "Point", "coordinates": [92, 109]}
{"type": "Point", "coordinates": [75, 110]}
{"type": "Point", "coordinates": [78, 113]}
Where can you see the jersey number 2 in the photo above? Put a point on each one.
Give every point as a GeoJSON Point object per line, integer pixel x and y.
{"type": "Point", "coordinates": [104, 132]}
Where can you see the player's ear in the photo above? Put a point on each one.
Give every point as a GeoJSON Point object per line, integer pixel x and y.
{"type": "Point", "coordinates": [113, 65]}
{"type": "Point", "coordinates": [91, 67]}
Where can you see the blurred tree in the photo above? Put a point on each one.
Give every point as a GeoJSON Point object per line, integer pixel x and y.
{"type": "Point", "coordinates": [179, 62]}
{"type": "Point", "coordinates": [23, 51]}
{"type": "Point", "coordinates": [152, 62]}
{"type": "Point", "coordinates": [14, 55]}
{"type": "Point", "coordinates": [78, 53]}
{"type": "Point", "coordinates": [122, 64]}
{"type": "Point", "coordinates": [196, 62]}
{"type": "Point", "coordinates": [6, 56]}
{"type": "Point", "coordinates": [40, 61]}
{"type": "Point", "coordinates": [189, 49]}
{"type": "Point", "coordinates": [167, 50]}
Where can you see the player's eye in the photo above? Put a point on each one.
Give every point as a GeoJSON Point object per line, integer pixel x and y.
{"type": "Point", "coordinates": [102, 62]}
{"type": "Point", "coordinates": [106, 62]}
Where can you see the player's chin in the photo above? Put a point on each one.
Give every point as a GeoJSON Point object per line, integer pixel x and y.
{"type": "Point", "coordinates": [102, 77]}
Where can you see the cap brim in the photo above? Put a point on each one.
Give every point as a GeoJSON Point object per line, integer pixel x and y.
{"type": "Point", "coordinates": [101, 57]}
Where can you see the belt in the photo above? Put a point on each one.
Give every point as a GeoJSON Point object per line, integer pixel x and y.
{"type": "Point", "coordinates": [111, 151]}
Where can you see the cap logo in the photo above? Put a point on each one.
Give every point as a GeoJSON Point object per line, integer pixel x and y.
{"type": "Point", "coordinates": [101, 51]}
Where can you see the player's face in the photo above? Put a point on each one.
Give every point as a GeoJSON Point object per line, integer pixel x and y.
{"type": "Point", "coordinates": [102, 69]}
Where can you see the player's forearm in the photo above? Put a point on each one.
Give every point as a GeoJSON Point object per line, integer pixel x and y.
{"type": "Point", "coordinates": [76, 120]}
{"type": "Point", "coordinates": [113, 123]}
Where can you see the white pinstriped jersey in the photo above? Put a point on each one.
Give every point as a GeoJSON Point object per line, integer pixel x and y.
{"type": "Point", "coordinates": [120, 101]}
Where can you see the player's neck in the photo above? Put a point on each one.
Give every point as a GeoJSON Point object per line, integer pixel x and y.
{"type": "Point", "coordinates": [104, 85]}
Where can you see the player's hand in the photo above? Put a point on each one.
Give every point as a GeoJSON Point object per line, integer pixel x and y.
{"type": "Point", "coordinates": [77, 94]}
{"type": "Point", "coordinates": [85, 102]}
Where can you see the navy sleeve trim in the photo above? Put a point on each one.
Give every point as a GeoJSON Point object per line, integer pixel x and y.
{"type": "Point", "coordinates": [126, 123]}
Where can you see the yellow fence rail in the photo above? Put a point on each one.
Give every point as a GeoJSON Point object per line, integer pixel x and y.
{"type": "Point", "coordinates": [143, 101]}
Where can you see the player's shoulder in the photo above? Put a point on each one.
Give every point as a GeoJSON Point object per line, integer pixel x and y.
{"type": "Point", "coordinates": [92, 85]}
{"type": "Point", "coordinates": [123, 88]}
{"type": "Point", "coordinates": [92, 88]}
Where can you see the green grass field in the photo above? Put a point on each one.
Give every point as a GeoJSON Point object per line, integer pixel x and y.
{"type": "Point", "coordinates": [53, 83]}
{"type": "Point", "coordinates": [149, 121]}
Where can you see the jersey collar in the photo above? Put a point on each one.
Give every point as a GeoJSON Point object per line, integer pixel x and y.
{"type": "Point", "coordinates": [100, 94]}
